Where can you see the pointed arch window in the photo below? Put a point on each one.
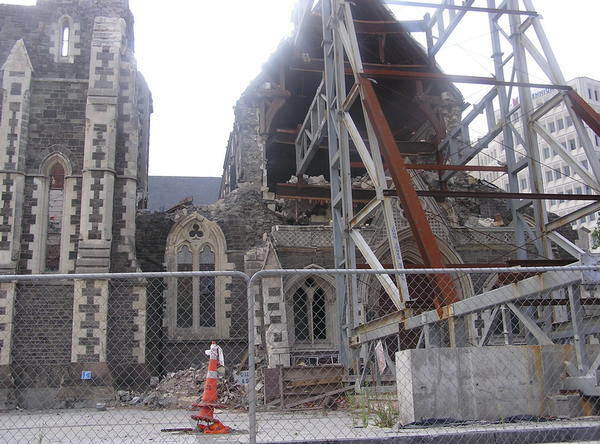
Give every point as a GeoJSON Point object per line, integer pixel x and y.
{"type": "Point", "coordinates": [312, 314]}
{"type": "Point", "coordinates": [197, 305]}
{"type": "Point", "coordinates": [55, 217]}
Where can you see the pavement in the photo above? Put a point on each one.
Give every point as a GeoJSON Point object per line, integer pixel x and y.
{"type": "Point", "coordinates": [135, 426]}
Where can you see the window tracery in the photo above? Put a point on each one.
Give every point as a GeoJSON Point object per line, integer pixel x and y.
{"type": "Point", "coordinates": [196, 304]}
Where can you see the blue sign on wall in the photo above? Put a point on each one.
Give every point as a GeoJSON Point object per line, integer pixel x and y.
{"type": "Point", "coordinates": [86, 375]}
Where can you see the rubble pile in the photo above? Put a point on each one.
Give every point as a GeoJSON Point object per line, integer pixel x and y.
{"type": "Point", "coordinates": [183, 388]}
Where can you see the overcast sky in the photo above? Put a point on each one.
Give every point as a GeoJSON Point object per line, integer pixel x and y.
{"type": "Point", "coordinates": [198, 56]}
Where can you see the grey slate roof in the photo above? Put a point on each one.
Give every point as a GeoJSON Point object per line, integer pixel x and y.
{"type": "Point", "coordinates": [165, 192]}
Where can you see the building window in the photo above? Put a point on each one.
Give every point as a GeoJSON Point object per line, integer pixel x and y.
{"type": "Point", "coordinates": [578, 190]}
{"type": "Point", "coordinates": [549, 176]}
{"type": "Point", "coordinates": [197, 305]}
{"type": "Point", "coordinates": [311, 313]}
{"type": "Point", "coordinates": [65, 37]}
{"type": "Point", "coordinates": [560, 124]}
{"type": "Point", "coordinates": [557, 174]}
{"type": "Point", "coordinates": [567, 171]}
{"type": "Point", "coordinates": [552, 127]}
{"type": "Point", "coordinates": [584, 163]}
{"type": "Point", "coordinates": [572, 145]}
{"type": "Point", "coordinates": [56, 195]}
{"type": "Point", "coordinates": [569, 121]}
{"type": "Point", "coordinates": [523, 184]}
{"type": "Point", "coordinates": [546, 152]}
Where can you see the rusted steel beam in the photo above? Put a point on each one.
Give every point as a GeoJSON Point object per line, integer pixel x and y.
{"type": "Point", "coordinates": [318, 192]}
{"type": "Point", "coordinates": [504, 195]}
{"type": "Point", "coordinates": [416, 166]}
{"type": "Point", "coordinates": [585, 111]}
{"type": "Point", "coordinates": [456, 7]}
{"type": "Point", "coordinates": [443, 286]}
{"type": "Point", "coordinates": [393, 72]}
{"type": "Point", "coordinates": [388, 26]}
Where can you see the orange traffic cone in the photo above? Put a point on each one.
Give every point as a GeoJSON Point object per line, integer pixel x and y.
{"type": "Point", "coordinates": [209, 397]}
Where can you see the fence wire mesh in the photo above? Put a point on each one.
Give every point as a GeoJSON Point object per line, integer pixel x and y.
{"type": "Point", "coordinates": [308, 355]}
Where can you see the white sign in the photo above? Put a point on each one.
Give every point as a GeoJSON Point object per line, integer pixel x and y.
{"type": "Point", "coordinates": [244, 377]}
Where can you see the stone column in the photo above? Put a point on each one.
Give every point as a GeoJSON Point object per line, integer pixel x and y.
{"type": "Point", "coordinates": [13, 143]}
{"type": "Point", "coordinates": [7, 302]}
{"type": "Point", "coordinates": [100, 146]}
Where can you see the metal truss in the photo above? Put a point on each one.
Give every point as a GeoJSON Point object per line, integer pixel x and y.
{"type": "Point", "coordinates": [517, 42]}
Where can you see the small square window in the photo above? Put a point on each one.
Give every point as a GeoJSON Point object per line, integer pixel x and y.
{"type": "Point", "coordinates": [560, 124]}
{"type": "Point", "coordinates": [552, 127]}
{"type": "Point", "coordinates": [569, 191]}
{"type": "Point", "coordinates": [578, 190]}
{"type": "Point", "coordinates": [567, 170]}
{"type": "Point", "coordinates": [572, 145]}
{"type": "Point", "coordinates": [592, 217]}
{"type": "Point", "coordinates": [549, 176]}
{"type": "Point", "coordinates": [546, 152]}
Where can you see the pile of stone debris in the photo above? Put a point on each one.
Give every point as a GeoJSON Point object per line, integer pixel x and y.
{"type": "Point", "coordinates": [183, 388]}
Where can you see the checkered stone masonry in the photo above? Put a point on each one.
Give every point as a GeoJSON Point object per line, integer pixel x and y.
{"type": "Point", "coordinates": [99, 173]}
{"type": "Point", "coordinates": [16, 81]}
{"type": "Point", "coordinates": [90, 312]}
{"type": "Point", "coordinates": [7, 299]}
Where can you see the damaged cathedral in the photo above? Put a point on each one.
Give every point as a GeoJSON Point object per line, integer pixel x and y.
{"type": "Point", "coordinates": [74, 136]}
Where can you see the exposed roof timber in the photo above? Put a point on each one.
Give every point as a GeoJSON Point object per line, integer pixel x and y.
{"type": "Point", "coordinates": [456, 7]}
{"type": "Point", "coordinates": [318, 65]}
{"type": "Point", "coordinates": [406, 148]}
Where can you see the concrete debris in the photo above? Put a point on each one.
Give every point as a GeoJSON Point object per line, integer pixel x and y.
{"type": "Point", "coordinates": [310, 180]}
{"type": "Point", "coordinates": [363, 182]}
{"type": "Point", "coordinates": [183, 388]}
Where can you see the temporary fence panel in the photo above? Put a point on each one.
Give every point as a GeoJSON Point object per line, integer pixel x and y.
{"type": "Point", "coordinates": [516, 357]}
{"type": "Point", "coordinates": [120, 358]}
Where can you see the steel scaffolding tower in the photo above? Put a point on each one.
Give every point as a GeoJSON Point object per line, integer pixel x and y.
{"type": "Point", "coordinates": [518, 41]}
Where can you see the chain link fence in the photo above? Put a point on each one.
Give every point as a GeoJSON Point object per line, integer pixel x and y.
{"type": "Point", "coordinates": [121, 358]}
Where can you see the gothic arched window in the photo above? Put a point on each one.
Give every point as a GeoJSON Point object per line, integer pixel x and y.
{"type": "Point", "coordinates": [55, 217]}
{"type": "Point", "coordinates": [312, 316]}
{"type": "Point", "coordinates": [196, 304]}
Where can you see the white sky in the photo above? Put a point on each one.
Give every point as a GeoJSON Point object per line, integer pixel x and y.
{"type": "Point", "coordinates": [199, 56]}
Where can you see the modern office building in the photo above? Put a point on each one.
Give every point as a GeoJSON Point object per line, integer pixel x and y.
{"type": "Point", "coordinates": [559, 176]}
